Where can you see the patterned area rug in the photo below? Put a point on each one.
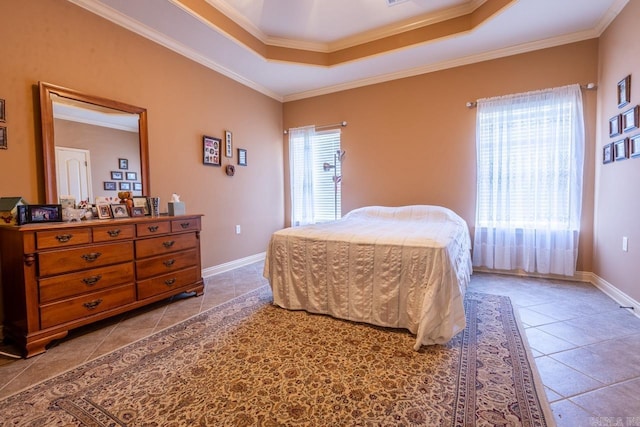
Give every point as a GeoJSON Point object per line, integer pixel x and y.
{"type": "Point", "coordinates": [249, 363]}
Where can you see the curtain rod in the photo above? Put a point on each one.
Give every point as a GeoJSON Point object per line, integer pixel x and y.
{"type": "Point", "coordinates": [588, 86]}
{"type": "Point", "coordinates": [333, 125]}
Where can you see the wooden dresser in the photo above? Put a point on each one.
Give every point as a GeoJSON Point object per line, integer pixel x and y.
{"type": "Point", "coordinates": [58, 276]}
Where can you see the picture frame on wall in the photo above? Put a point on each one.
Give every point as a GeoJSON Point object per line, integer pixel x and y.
{"type": "Point", "coordinates": [615, 125]}
{"type": "Point", "coordinates": [109, 186]}
{"type": "Point", "coordinates": [116, 175]}
{"type": "Point", "coordinates": [607, 153]}
{"type": "Point", "coordinates": [228, 144]}
{"type": "Point", "coordinates": [3, 111]}
{"type": "Point", "coordinates": [131, 176]}
{"type": "Point", "coordinates": [630, 119]}
{"type": "Point", "coordinates": [620, 151]}
{"type": "Point", "coordinates": [634, 146]}
{"type": "Point", "coordinates": [123, 164]}
{"type": "Point", "coordinates": [624, 91]}
{"type": "Point", "coordinates": [242, 157]}
{"type": "Point", "coordinates": [211, 151]}
{"type": "Point", "coordinates": [137, 186]}
{"type": "Point", "coordinates": [125, 186]}
{"type": "Point", "coordinates": [3, 138]}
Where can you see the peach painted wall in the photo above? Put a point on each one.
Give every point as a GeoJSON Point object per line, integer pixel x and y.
{"type": "Point", "coordinates": [412, 141]}
{"type": "Point", "coordinates": [617, 201]}
{"type": "Point", "coordinates": [60, 43]}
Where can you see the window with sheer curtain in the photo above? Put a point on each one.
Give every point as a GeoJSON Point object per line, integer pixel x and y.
{"type": "Point", "coordinates": [530, 155]}
{"type": "Point", "coordinates": [314, 175]}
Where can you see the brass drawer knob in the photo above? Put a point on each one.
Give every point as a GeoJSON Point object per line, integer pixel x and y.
{"type": "Point", "coordinates": [170, 282]}
{"type": "Point", "coordinates": [169, 262]}
{"type": "Point", "coordinates": [114, 233]}
{"type": "Point", "coordinates": [91, 257]}
{"type": "Point", "coordinates": [168, 243]}
{"type": "Point", "coordinates": [92, 304]}
{"type": "Point", "coordinates": [64, 238]}
{"type": "Point", "coordinates": [153, 228]}
{"type": "Point", "coordinates": [90, 281]}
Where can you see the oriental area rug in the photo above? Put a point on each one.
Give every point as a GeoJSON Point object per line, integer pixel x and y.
{"type": "Point", "coordinates": [250, 363]}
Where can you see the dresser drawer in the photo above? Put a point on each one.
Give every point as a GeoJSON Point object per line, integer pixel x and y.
{"type": "Point", "coordinates": [72, 284]}
{"type": "Point", "coordinates": [68, 260]}
{"type": "Point", "coordinates": [190, 224]}
{"type": "Point", "coordinates": [166, 263]}
{"type": "Point", "coordinates": [113, 232]}
{"type": "Point", "coordinates": [85, 305]}
{"type": "Point", "coordinates": [153, 228]}
{"type": "Point", "coordinates": [63, 237]}
{"type": "Point", "coordinates": [167, 282]}
{"type": "Point", "coordinates": [165, 244]}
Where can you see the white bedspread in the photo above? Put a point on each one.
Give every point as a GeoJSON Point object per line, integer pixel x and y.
{"type": "Point", "coordinates": [405, 267]}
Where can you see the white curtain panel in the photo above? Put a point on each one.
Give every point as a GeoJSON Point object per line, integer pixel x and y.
{"type": "Point", "coordinates": [530, 155]}
{"type": "Point", "coordinates": [301, 175]}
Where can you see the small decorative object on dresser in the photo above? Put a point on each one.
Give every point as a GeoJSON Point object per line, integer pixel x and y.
{"type": "Point", "coordinates": [44, 213]}
{"type": "Point", "coordinates": [71, 274]}
{"type": "Point", "coordinates": [176, 207]}
{"type": "Point", "coordinates": [9, 209]}
{"type": "Point", "coordinates": [104, 211]}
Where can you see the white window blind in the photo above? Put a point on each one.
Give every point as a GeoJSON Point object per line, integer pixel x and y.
{"type": "Point", "coordinates": [313, 158]}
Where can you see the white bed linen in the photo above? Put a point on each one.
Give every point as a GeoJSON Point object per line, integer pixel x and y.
{"type": "Point", "coordinates": [403, 267]}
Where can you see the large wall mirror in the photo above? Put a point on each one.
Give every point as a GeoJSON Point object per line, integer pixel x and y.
{"type": "Point", "coordinates": [92, 146]}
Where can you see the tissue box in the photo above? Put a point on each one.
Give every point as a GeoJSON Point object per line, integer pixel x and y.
{"type": "Point", "coordinates": [176, 208]}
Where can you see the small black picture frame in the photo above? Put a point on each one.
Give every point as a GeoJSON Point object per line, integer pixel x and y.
{"type": "Point", "coordinates": [3, 138]}
{"type": "Point", "coordinates": [242, 157]}
{"type": "Point", "coordinates": [624, 91]}
{"type": "Point", "coordinates": [44, 213]}
{"type": "Point", "coordinates": [211, 151]}
{"type": "Point", "coordinates": [125, 186]}
{"type": "Point", "coordinates": [615, 125]}
{"type": "Point", "coordinates": [109, 186]}
{"type": "Point", "coordinates": [123, 164]}
{"type": "Point", "coordinates": [630, 119]}
{"type": "Point", "coordinates": [607, 153]}
{"type": "Point", "coordinates": [634, 146]}
{"type": "Point", "coordinates": [3, 111]}
{"type": "Point", "coordinates": [131, 176]}
{"type": "Point", "coordinates": [137, 186]}
{"type": "Point", "coordinates": [620, 150]}
{"type": "Point", "coordinates": [116, 175]}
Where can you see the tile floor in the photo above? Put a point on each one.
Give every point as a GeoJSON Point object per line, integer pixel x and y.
{"type": "Point", "coordinates": [587, 349]}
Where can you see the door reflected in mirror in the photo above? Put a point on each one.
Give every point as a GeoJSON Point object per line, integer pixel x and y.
{"type": "Point", "coordinates": [86, 139]}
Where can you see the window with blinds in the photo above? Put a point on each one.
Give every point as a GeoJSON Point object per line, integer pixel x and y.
{"type": "Point", "coordinates": [315, 168]}
{"type": "Point", "coordinates": [532, 151]}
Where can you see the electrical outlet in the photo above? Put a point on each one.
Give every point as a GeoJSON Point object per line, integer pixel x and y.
{"type": "Point", "coordinates": [238, 229]}
{"type": "Point", "coordinates": [625, 243]}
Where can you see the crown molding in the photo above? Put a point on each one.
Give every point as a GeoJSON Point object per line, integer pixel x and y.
{"type": "Point", "coordinates": [495, 54]}
{"type": "Point", "coordinates": [179, 48]}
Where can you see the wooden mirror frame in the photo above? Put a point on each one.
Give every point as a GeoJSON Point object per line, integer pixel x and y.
{"type": "Point", "coordinates": [48, 140]}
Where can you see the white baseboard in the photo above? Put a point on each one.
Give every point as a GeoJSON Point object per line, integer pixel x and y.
{"type": "Point", "coordinates": [231, 265]}
{"type": "Point", "coordinates": [581, 276]}
{"type": "Point", "coordinates": [616, 294]}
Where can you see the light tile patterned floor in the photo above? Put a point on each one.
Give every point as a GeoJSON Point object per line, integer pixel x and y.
{"type": "Point", "coordinates": [587, 348]}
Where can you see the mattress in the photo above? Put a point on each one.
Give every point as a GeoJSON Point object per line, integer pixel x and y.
{"type": "Point", "coordinates": [400, 267]}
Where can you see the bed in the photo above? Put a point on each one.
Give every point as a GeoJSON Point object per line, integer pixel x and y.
{"type": "Point", "coordinates": [400, 267]}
